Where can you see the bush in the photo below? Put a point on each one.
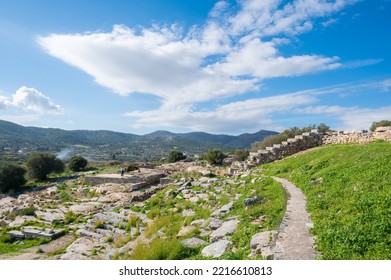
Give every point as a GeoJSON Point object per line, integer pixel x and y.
{"type": "Point", "coordinates": [41, 164]}
{"type": "Point", "coordinates": [11, 177]}
{"type": "Point", "coordinates": [378, 124]}
{"type": "Point", "coordinates": [240, 155]}
{"type": "Point", "coordinates": [175, 156]}
{"type": "Point", "coordinates": [215, 156]}
{"type": "Point", "coordinates": [77, 163]}
{"type": "Point", "coordinates": [132, 167]}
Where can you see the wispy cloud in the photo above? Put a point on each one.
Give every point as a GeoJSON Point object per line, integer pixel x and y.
{"type": "Point", "coordinates": [29, 100]}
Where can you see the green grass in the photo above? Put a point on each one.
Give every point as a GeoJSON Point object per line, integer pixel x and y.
{"type": "Point", "coordinates": [272, 207]}
{"type": "Point", "coordinates": [348, 189]}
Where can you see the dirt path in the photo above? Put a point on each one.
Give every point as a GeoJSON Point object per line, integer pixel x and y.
{"type": "Point", "coordinates": [294, 240]}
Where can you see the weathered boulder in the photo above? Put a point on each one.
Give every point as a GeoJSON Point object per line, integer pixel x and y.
{"type": "Point", "coordinates": [226, 228]}
{"type": "Point", "coordinates": [80, 249]}
{"type": "Point", "coordinates": [263, 243]}
{"type": "Point", "coordinates": [193, 242]}
{"type": "Point", "coordinates": [215, 223]}
{"type": "Point", "coordinates": [185, 231]}
{"type": "Point", "coordinates": [50, 215]}
{"type": "Point", "coordinates": [86, 208]}
{"type": "Point", "coordinates": [216, 249]}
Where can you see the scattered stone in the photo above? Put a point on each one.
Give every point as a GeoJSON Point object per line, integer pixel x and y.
{"type": "Point", "coordinates": [20, 220]}
{"type": "Point", "coordinates": [226, 228]}
{"type": "Point", "coordinates": [188, 213]}
{"type": "Point", "coordinates": [185, 231]}
{"type": "Point", "coordinates": [216, 249]}
{"type": "Point", "coordinates": [215, 224]}
{"type": "Point", "coordinates": [16, 234]}
{"type": "Point", "coordinates": [50, 215]}
{"type": "Point", "coordinates": [259, 220]}
{"type": "Point", "coordinates": [36, 233]}
{"type": "Point", "coordinates": [263, 243]}
{"type": "Point", "coordinates": [83, 232]}
{"type": "Point", "coordinates": [80, 249]}
{"type": "Point", "coordinates": [193, 242]}
{"type": "Point", "coordinates": [251, 201]}
{"type": "Point", "coordinates": [52, 191]}
{"type": "Point", "coordinates": [86, 208]}
{"type": "Point", "coordinates": [197, 222]}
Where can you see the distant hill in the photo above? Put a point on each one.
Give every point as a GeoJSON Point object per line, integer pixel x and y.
{"type": "Point", "coordinates": [104, 144]}
{"type": "Point", "coordinates": [241, 141]}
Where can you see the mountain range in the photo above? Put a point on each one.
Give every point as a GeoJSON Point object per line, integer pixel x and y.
{"type": "Point", "coordinates": [104, 144]}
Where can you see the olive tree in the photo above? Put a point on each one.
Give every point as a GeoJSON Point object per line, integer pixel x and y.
{"type": "Point", "coordinates": [42, 164]}
{"type": "Point", "coordinates": [11, 177]}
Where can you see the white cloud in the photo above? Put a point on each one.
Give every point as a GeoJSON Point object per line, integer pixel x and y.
{"type": "Point", "coordinates": [230, 54]}
{"type": "Point", "coordinates": [172, 64]}
{"type": "Point", "coordinates": [240, 116]}
{"type": "Point", "coordinates": [30, 100]}
{"type": "Point", "coordinates": [352, 118]}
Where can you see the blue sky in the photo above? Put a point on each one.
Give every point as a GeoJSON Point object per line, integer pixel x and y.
{"type": "Point", "coordinates": [215, 66]}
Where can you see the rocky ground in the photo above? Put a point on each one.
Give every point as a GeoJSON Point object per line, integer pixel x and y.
{"type": "Point", "coordinates": [108, 216]}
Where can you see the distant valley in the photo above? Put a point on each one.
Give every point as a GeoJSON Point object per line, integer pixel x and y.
{"type": "Point", "coordinates": [106, 145]}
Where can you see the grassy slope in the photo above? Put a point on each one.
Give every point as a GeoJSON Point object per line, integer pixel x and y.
{"type": "Point", "coordinates": [348, 188]}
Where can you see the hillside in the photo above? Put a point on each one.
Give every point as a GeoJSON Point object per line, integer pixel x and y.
{"type": "Point", "coordinates": [349, 196]}
{"type": "Point", "coordinates": [103, 144]}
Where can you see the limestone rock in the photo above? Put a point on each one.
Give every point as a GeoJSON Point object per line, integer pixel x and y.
{"type": "Point", "coordinates": [185, 231]}
{"type": "Point", "coordinates": [215, 224]}
{"type": "Point", "coordinates": [263, 243]}
{"type": "Point", "coordinates": [226, 228]}
{"type": "Point", "coordinates": [50, 215]}
{"type": "Point", "coordinates": [193, 242]}
{"type": "Point", "coordinates": [86, 208]}
{"type": "Point", "coordinates": [216, 249]}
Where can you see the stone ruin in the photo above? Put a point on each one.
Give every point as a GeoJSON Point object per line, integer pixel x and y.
{"type": "Point", "coordinates": [289, 147]}
{"type": "Point", "coordinates": [314, 138]}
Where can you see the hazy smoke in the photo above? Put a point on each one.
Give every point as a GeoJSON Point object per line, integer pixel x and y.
{"type": "Point", "coordinates": [65, 154]}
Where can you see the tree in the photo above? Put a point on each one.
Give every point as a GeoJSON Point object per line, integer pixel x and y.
{"type": "Point", "coordinates": [378, 124]}
{"type": "Point", "coordinates": [241, 155]}
{"type": "Point", "coordinates": [41, 164]}
{"type": "Point", "coordinates": [215, 156]}
{"type": "Point", "coordinates": [175, 156]}
{"type": "Point", "coordinates": [77, 163]}
{"type": "Point", "coordinates": [11, 177]}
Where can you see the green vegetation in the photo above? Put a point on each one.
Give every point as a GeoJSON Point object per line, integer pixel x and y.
{"type": "Point", "coordinates": [271, 208]}
{"type": "Point", "coordinates": [379, 123]}
{"type": "Point", "coordinates": [214, 156]}
{"type": "Point", "coordinates": [11, 177]}
{"type": "Point", "coordinates": [175, 156]}
{"type": "Point", "coordinates": [40, 165]}
{"type": "Point", "coordinates": [77, 163]}
{"type": "Point", "coordinates": [286, 134]}
{"type": "Point", "coordinates": [348, 190]}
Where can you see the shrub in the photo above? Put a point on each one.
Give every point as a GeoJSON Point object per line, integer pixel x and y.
{"type": "Point", "coordinates": [41, 164]}
{"type": "Point", "coordinates": [175, 156]}
{"type": "Point", "coordinates": [11, 177]}
{"type": "Point", "coordinates": [241, 155]}
{"type": "Point", "coordinates": [378, 124]}
{"type": "Point", "coordinates": [215, 156]}
{"type": "Point", "coordinates": [132, 166]}
{"type": "Point", "coordinates": [77, 163]}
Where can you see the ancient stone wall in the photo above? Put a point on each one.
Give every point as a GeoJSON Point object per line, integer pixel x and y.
{"type": "Point", "coordinates": [291, 146]}
{"type": "Point", "coordinates": [312, 139]}
{"type": "Point", "coordinates": [381, 133]}
{"type": "Point", "coordinates": [134, 182]}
